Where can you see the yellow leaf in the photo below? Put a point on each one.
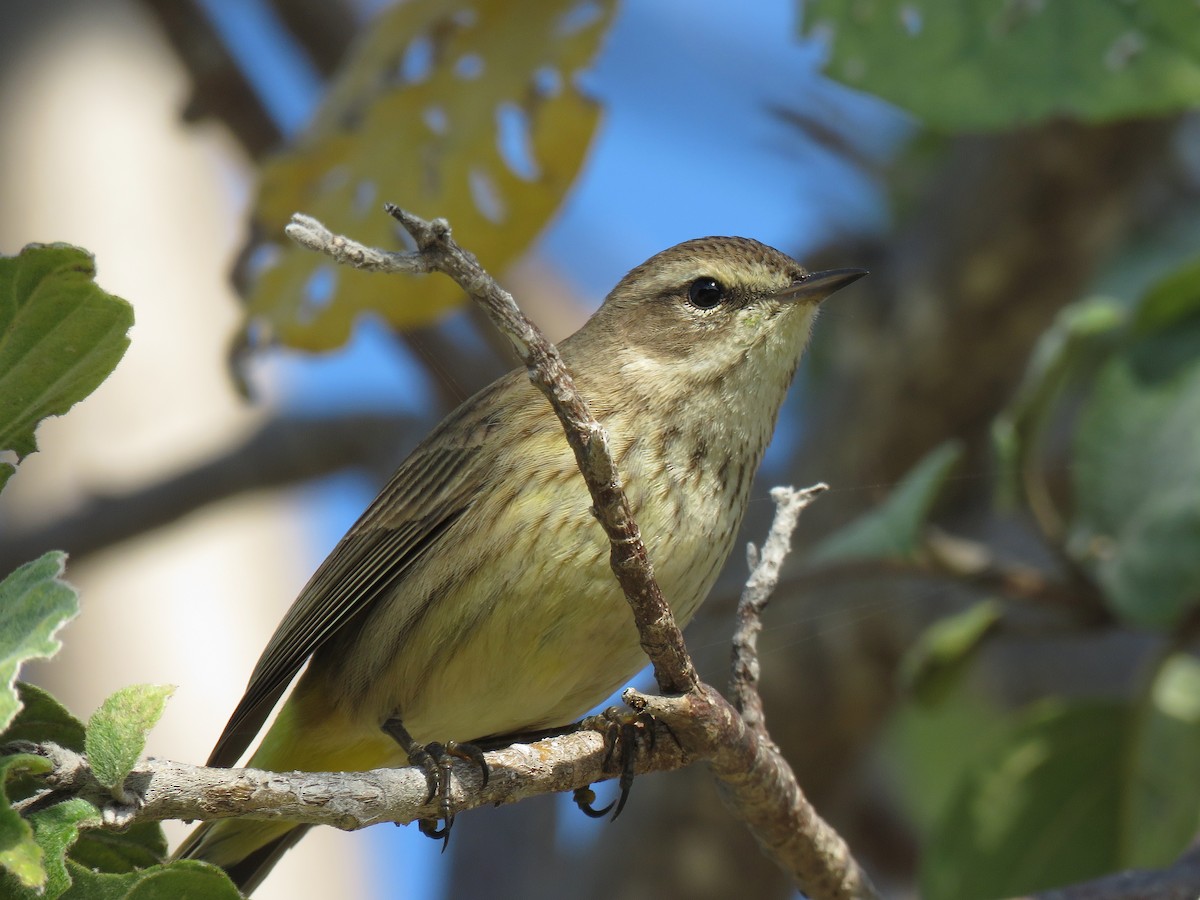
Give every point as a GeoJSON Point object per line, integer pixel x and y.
{"type": "Point", "coordinates": [464, 110]}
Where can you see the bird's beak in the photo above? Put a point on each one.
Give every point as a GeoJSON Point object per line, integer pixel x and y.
{"type": "Point", "coordinates": [816, 286]}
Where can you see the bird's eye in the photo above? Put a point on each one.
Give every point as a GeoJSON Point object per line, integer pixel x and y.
{"type": "Point", "coordinates": [705, 293]}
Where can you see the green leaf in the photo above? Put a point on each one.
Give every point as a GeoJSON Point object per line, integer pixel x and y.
{"type": "Point", "coordinates": [34, 604]}
{"type": "Point", "coordinates": [1172, 301]}
{"type": "Point", "coordinates": [1075, 792]}
{"type": "Point", "coordinates": [55, 829]}
{"type": "Point", "coordinates": [138, 847]}
{"type": "Point", "coordinates": [1070, 349]}
{"type": "Point", "coordinates": [1150, 573]}
{"type": "Point", "coordinates": [893, 531]}
{"type": "Point", "coordinates": [187, 878]}
{"type": "Point", "coordinates": [42, 719]}
{"type": "Point", "coordinates": [980, 64]}
{"type": "Point", "coordinates": [60, 336]}
{"type": "Point", "coordinates": [1136, 469]}
{"type": "Point", "coordinates": [932, 749]}
{"type": "Point", "coordinates": [935, 664]}
{"type": "Point", "coordinates": [20, 855]}
{"type": "Point", "coordinates": [116, 733]}
{"type": "Point", "coordinates": [1164, 794]}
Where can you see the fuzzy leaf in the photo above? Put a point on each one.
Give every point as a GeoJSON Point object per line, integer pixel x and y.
{"type": "Point", "coordinates": [116, 732]}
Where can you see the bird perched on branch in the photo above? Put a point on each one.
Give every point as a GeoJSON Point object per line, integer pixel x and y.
{"type": "Point", "coordinates": [474, 598]}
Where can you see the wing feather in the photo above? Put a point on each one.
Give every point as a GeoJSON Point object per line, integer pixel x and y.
{"type": "Point", "coordinates": [432, 488]}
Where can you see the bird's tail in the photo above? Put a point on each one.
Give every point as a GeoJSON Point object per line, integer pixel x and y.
{"type": "Point", "coordinates": [246, 849]}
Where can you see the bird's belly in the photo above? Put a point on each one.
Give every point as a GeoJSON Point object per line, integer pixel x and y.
{"type": "Point", "coordinates": [532, 632]}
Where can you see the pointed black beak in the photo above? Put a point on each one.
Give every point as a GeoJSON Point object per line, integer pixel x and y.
{"type": "Point", "coordinates": [816, 286]}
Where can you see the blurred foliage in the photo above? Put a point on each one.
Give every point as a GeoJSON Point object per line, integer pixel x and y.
{"type": "Point", "coordinates": [934, 665]}
{"type": "Point", "coordinates": [470, 112]}
{"type": "Point", "coordinates": [1136, 518]}
{"type": "Point", "coordinates": [1071, 790]}
{"type": "Point", "coordinates": [894, 530]}
{"type": "Point", "coordinates": [980, 64]}
{"type": "Point", "coordinates": [1075, 790]}
{"type": "Point", "coordinates": [60, 336]}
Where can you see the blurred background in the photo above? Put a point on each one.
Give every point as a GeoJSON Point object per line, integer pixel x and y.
{"type": "Point", "coordinates": [992, 182]}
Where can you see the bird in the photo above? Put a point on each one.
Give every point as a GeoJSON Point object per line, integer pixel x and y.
{"type": "Point", "coordinates": [473, 598]}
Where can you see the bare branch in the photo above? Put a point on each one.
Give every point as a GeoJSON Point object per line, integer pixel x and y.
{"type": "Point", "coordinates": [347, 800]}
{"type": "Point", "coordinates": [281, 452]}
{"type": "Point", "coordinates": [759, 787]}
{"type": "Point", "coordinates": [1178, 881]}
{"type": "Point", "coordinates": [764, 576]}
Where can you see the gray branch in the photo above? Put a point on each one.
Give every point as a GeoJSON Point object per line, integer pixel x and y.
{"type": "Point", "coordinates": [347, 800]}
{"type": "Point", "coordinates": [764, 577]}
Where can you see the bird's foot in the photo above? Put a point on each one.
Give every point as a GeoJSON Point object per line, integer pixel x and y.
{"type": "Point", "coordinates": [623, 729]}
{"type": "Point", "coordinates": [437, 759]}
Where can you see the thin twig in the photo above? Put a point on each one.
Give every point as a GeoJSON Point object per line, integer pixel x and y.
{"type": "Point", "coordinates": [764, 576]}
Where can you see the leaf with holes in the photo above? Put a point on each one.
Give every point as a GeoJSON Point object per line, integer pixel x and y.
{"type": "Point", "coordinates": [980, 64]}
{"type": "Point", "coordinates": [469, 111]}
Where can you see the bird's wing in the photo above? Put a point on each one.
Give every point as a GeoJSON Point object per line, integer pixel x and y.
{"type": "Point", "coordinates": [432, 488]}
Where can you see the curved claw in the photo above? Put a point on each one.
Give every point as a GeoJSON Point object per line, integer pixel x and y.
{"type": "Point", "coordinates": [472, 754]}
{"type": "Point", "coordinates": [584, 797]}
{"type": "Point", "coordinates": [429, 828]}
{"type": "Point", "coordinates": [622, 730]}
{"type": "Point", "coordinates": [436, 759]}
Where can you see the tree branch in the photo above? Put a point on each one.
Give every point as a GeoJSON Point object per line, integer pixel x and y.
{"type": "Point", "coordinates": [764, 578]}
{"type": "Point", "coordinates": [1178, 881]}
{"type": "Point", "coordinates": [346, 800]}
{"type": "Point", "coordinates": [280, 453]}
{"type": "Point", "coordinates": [757, 783]}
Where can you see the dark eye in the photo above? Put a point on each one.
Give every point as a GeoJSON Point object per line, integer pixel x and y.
{"type": "Point", "coordinates": [705, 293]}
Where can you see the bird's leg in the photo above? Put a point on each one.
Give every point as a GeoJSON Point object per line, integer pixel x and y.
{"type": "Point", "coordinates": [622, 729]}
{"type": "Point", "coordinates": [436, 759]}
